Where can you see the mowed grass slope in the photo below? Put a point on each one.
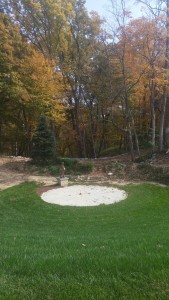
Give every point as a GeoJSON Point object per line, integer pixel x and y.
{"type": "Point", "coordinates": [119, 251]}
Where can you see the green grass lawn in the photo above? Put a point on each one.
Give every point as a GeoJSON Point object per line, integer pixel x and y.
{"type": "Point", "coordinates": [119, 251]}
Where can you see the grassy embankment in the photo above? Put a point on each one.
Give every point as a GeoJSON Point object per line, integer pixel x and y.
{"type": "Point", "coordinates": [111, 252]}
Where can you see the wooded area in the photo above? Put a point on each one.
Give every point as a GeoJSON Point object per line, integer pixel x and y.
{"type": "Point", "coordinates": [104, 89]}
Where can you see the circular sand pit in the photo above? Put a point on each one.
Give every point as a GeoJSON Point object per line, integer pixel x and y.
{"type": "Point", "coordinates": [83, 195]}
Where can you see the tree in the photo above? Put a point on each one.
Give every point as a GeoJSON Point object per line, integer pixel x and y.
{"type": "Point", "coordinates": [156, 10]}
{"type": "Point", "coordinates": [147, 47]}
{"type": "Point", "coordinates": [97, 89]}
{"type": "Point", "coordinates": [43, 143]}
{"type": "Point", "coordinates": [10, 83]}
{"type": "Point", "coordinates": [65, 33]}
{"type": "Point", "coordinates": [29, 85]}
{"type": "Point", "coordinates": [75, 61]}
{"type": "Point", "coordinates": [166, 94]}
{"type": "Point", "coordinates": [119, 33]}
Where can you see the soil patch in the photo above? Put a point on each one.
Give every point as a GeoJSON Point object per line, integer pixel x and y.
{"type": "Point", "coordinates": [116, 170]}
{"type": "Point", "coordinates": [42, 189]}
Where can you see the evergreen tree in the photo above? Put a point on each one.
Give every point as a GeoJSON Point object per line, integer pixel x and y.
{"type": "Point", "coordinates": [43, 142]}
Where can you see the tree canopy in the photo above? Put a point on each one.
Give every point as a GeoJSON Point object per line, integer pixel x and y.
{"type": "Point", "coordinates": [102, 90]}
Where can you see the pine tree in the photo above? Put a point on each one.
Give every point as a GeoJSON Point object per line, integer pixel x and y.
{"type": "Point", "coordinates": [43, 143]}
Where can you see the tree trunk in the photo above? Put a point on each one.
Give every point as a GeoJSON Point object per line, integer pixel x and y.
{"type": "Point", "coordinates": [131, 143]}
{"type": "Point", "coordinates": [84, 142]}
{"type": "Point", "coordinates": [167, 70]}
{"type": "Point", "coordinates": [153, 126]}
{"type": "Point", "coordinates": [128, 118]}
{"type": "Point", "coordinates": [153, 117]}
{"type": "Point", "coordinates": [136, 137]}
{"type": "Point", "coordinates": [162, 120]}
{"type": "Point", "coordinates": [1, 150]}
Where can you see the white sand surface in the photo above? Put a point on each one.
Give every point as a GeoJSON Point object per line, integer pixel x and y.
{"type": "Point", "coordinates": [84, 195]}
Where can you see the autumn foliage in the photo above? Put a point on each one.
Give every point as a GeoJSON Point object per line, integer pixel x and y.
{"type": "Point", "coordinates": [98, 89]}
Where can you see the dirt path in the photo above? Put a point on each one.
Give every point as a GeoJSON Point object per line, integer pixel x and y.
{"type": "Point", "coordinates": [12, 172]}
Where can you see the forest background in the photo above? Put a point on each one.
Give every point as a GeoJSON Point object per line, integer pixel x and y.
{"type": "Point", "coordinates": [101, 83]}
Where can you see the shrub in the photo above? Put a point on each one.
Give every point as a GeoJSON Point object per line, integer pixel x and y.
{"type": "Point", "coordinates": [69, 162]}
{"type": "Point", "coordinates": [75, 166]}
{"type": "Point", "coordinates": [54, 170]}
{"type": "Point", "coordinates": [118, 166]}
{"type": "Point", "coordinates": [144, 158]}
{"type": "Point", "coordinates": [84, 167]}
{"type": "Point", "coordinates": [111, 151]}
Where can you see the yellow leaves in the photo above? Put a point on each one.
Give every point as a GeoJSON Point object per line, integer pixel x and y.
{"type": "Point", "coordinates": [56, 111]}
{"type": "Point", "coordinates": [45, 85]}
{"type": "Point", "coordinates": [35, 5]}
{"type": "Point", "coordinates": [6, 48]}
